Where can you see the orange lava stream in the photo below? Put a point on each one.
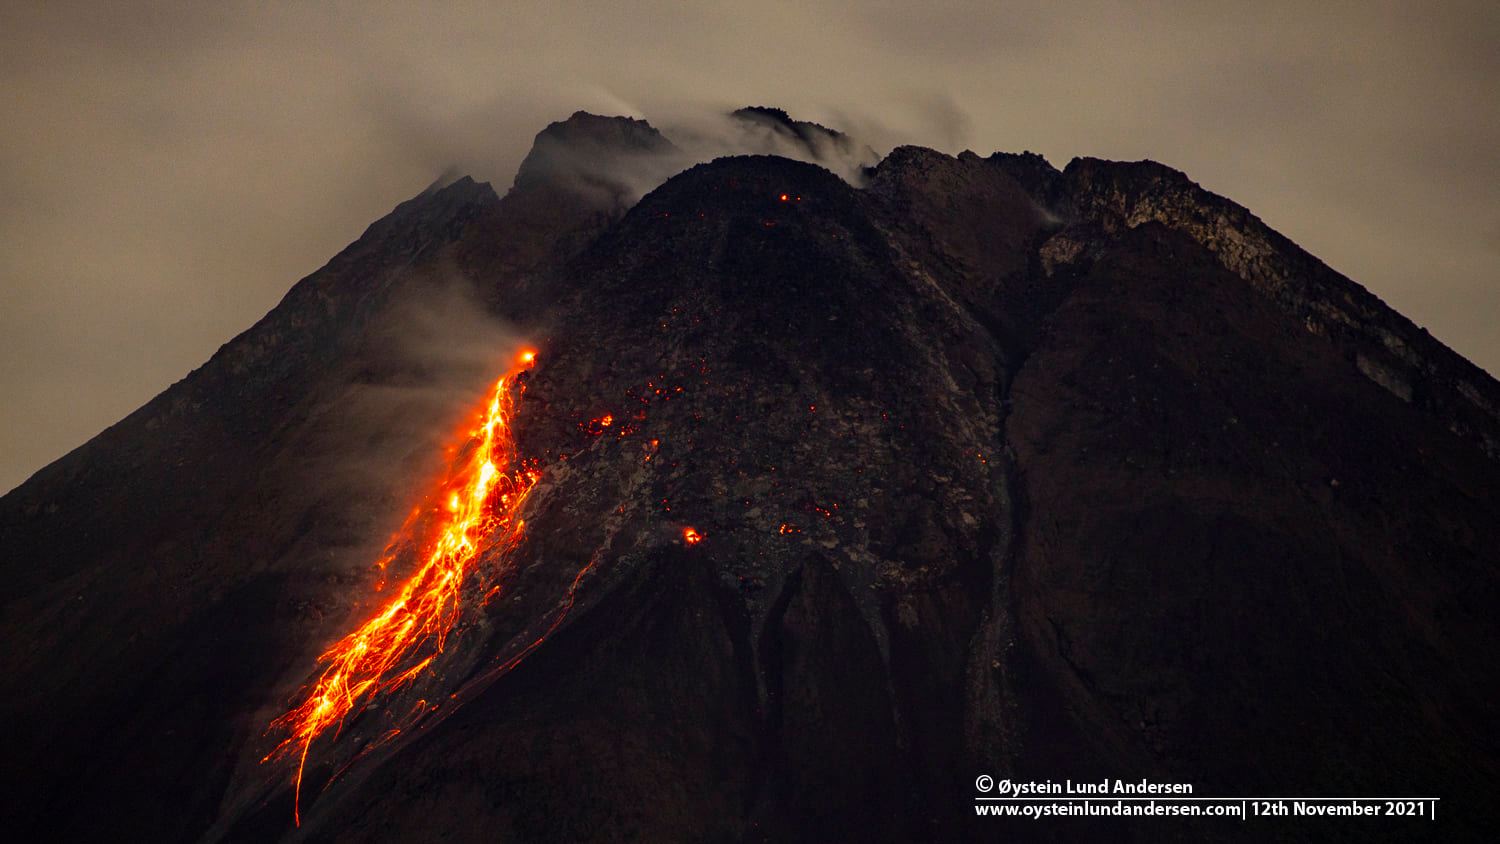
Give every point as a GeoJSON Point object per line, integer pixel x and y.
{"type": "Point", "coordinates": [484, 498]}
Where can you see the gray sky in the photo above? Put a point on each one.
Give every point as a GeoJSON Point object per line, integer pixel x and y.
{"type": "Point", "coordinates": [169, 170]}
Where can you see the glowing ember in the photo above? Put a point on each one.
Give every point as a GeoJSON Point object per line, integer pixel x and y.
{"type": "Point", "coordinates": [595, 427]}
{"type": "Point", "coordinates": [483, 497]}
{"type": "Point", "coordinates": [691, 536]}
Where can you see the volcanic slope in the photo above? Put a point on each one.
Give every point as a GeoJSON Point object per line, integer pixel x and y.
{"type": "Point", "coordinates": [980, 467]}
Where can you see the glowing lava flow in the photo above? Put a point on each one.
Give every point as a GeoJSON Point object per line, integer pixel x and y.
{"type": "Point", "coordinates": [483, 499]}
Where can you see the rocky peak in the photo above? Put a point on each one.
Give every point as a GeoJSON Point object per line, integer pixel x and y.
{"type": "Point", "coordinates": [1037, 175]}
{"type": "Point", "coordinates": [605, 160]}
{"type": "Point", "coordinates": [812, 141]}
{"type": "Point", "coordinates": [779, 120]}
{"type": "Point", "coordinates": [1383, 345]}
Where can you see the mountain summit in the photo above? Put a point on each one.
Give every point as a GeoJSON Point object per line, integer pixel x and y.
{"type": "Point", "coordinates": [833, 499]}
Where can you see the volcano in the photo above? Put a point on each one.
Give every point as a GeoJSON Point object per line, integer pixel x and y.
{"type": "Point", "coordinates": [800, 502]}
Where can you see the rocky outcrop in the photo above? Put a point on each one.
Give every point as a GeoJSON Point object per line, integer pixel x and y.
{"type": "Point", "coordinates": [811, 141]}
{"type": "Point", "coordinates": [1381, 343]}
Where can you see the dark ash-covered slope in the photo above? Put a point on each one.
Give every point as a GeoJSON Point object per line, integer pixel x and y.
{"type": "Point", "coordinates": [172, 580]}
{"type": "Point", "coordinates": [1001, 469]}
{"type": "Point", "coordinates": [155, 577]}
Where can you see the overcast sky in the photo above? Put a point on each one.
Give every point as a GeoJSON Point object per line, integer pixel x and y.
{"type": "Point", "coordinates": [168, 171]}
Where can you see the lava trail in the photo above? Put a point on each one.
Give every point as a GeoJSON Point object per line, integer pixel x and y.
{"type": "Point", "coordinates": [483, 497]}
